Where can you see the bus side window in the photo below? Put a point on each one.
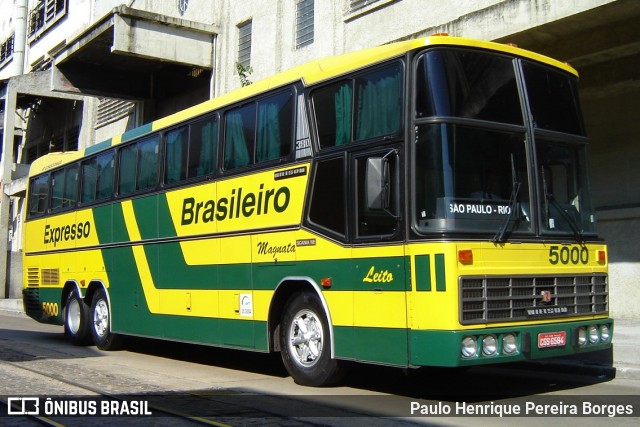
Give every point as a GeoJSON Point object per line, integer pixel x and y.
{"type": "Point", "coordinates": [378, 103]}
{"type": "Point", "coordinates": [147, 176]}
{"type": "Point", "coordinates": [333, 106]}
{"type": "Point", "coordinates": [89, 180]}
{"type": "Point", "coordinates": [203, 147]}
{"type": "Point", "coordinates": [70, 196]}
{"type": "Point", "coordinates": [57, 190]}
{"type": "Point", "coordinates": [39, 195]}
{"type": "Point", "coordinates": [104, 186]}
{"type": "Point", "coordinates": [139, 166]}
{"type": "Point", "coordinates": [328, 205]}
{"type": "Point", "coordinates": [176, 152]}
{"type": "Point", "coordinates": [97, 178]}
{"type": "Point", "coordinates": [127, 170]}
{"type": "Point", "coordinates": [275, 124]}
{"type": "Point", "coordinates": [239, 135]}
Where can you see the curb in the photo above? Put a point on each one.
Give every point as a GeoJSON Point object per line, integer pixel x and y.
{"type": "Point", "coordinates": [13, 306]}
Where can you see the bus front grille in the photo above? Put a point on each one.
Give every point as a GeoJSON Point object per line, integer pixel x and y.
{"type": "Point", "coordinates": [501, 299]}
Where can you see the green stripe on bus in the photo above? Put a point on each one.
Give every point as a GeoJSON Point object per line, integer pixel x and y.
{"type": "Point", "coordinates": [441, 284]}
{"type": "Point", "coordinates": [98, 147]}
{"type": "Point", "coordinates": [423, 273]}
{"type": "Point", "coordinates": [134, 133]}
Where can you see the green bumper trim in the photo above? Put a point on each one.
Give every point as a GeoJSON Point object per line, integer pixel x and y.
{"type": "Point", "coordinates": [442, 348]}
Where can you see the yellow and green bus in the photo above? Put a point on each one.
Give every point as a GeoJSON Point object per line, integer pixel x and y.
{"type": "Point", "coordinates": [422, 203]}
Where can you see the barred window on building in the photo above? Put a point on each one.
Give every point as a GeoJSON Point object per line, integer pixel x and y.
{"type": "Point", "coordinates": [44, 14]}
{"type": "Point", "coordinates": [304, 23]}
{"type": "Point", "coordinates": [244, 44]}
{"type": "Point", "coordinates": [6, 49]}
{"type": "Point", "coordinates": [359, 4]}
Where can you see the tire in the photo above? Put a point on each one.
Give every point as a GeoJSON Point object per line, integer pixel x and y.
{"type": "Point", "coordinates": [305, 343]}
{"type": "Point", "coordinates": [77, 320]}
{"type": "Point", "coordinates": [101, 323]}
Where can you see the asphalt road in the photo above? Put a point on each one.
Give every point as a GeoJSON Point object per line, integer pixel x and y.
{"type": "Point", "coordinates": [186, 384]}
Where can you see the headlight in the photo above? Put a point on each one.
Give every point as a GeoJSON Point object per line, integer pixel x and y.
{"type": "Point", "coordinates": [582, 336]}
{"type": "Point", "coordinates": [509, 344]}
{"type": "Point", "coordinates": [604, 333]}
{"type": "Point", "coordinates": [489, 345]}
{"type": "Point", "coordinates": [593, 334]}
{"type": "Point", "coordinates": [469, 347]}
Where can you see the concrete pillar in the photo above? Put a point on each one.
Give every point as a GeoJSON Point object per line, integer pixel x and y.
{"type": "Point", "coordinates": [6, 166]}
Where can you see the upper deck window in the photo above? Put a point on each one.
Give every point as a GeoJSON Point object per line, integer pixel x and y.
{"type": "Point", "coordinates": [467, 84]}
{"type": "Point", "coordinates": [553, 97]}
{"type": "Point", "coordinates": [259, 132]}
{"type": "Point", "coordinates": [368, 106]}
{"type": "Point", "coordinates": [139, 166]}
{"type": "Point", "coordinates": [191, 150]}
{"type": "Point", "coordinates": [39, 195]}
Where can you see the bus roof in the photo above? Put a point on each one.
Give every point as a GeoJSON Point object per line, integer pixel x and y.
{"type": "Point", "coordinates": [309, 73]}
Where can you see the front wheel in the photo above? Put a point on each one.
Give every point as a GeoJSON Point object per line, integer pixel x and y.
{"type": "Point", "coordinates": [76, 320]}
{"type": "Point", "coordinates": [101, 323]}
{"type": "Point", "coordinates": [305, 343]}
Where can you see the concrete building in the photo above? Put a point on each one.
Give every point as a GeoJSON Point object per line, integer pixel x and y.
{"type": "Point", "coordinates": [76, 72]}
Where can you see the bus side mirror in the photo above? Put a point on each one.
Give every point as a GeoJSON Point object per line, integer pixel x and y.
{"type": "Point", "coordinates": [377, 176]}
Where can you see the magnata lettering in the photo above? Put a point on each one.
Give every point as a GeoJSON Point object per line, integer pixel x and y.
{"type": "Point", "coordinates": [235, 206]}
{"type": "Point", "coordinates": [66, 233]}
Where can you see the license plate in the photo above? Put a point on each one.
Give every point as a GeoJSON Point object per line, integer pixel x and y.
{"type": "Point", "coordinates": [552, 339]}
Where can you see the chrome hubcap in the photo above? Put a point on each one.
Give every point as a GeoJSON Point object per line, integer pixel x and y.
{"type": "Point", "coordinates": [101, 318]}
{"type": "Point", "coordinates": [305, 338]}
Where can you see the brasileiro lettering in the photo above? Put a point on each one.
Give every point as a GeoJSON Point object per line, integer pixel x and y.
{"type": "Point", "coordinates": [239, 204]}
{"type": "Point", "coordinates": [65, 233]}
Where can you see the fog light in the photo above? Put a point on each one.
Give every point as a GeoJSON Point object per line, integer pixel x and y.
{"type": "Point", "coordinates": [593, 334]}
{"type": "Point", "coordinates": [489, 345]}
{"type": "Point", "coordinates": [582, 336]}
{"type": "Point", "coordinates": [509, 344]}
{"type": "Point", "coordinates": [604, 333]}
{"type": "Point", "coordinates": [469, 347]}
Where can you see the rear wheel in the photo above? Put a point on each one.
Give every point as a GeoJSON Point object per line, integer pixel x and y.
{"type": "Point", "coordinates": [77, 320]}
{"type": "Point", "coordinates": [305, 343]}
{"type": "Point", "coordinates": [101, 323]}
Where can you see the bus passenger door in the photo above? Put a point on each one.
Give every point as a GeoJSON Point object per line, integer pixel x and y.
{"type": "Point", "coordinates": [380, 270]}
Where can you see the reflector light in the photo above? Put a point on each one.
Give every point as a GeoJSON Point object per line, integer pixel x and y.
{"type": "Point", "coordinates": [465, 256]}
{"type": "Point", "coordinates": [326, 282]}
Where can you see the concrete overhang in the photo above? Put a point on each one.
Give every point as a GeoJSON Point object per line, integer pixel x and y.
{"type": "Point", "coordinates": [603, 44]}
{"type": "Point", "coordinates": [28, 88]}
{"type": "Point", "coordinates": [129, 52]}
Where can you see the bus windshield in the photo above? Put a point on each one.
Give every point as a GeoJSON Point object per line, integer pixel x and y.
{"type": "Point", "coordinates": [474, 152]}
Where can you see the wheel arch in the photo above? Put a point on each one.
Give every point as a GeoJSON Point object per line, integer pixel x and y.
{"type": "Point", "coordinates": [69, 287]}
{"type": "Point", "coordinates": [93, 287]}
{"type": "Point", "coordinates": [285, 289]}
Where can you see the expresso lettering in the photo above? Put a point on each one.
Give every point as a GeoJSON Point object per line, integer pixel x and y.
{"type": "Point", "coordinates": [239, 204]}
{"type": "Point", "coordinates": [66, 233]}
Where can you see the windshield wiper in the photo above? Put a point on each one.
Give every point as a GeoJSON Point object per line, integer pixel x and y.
{"type": "Point", "coordinates": [548, 197]}
{"type": "Point", "coordinates": [575, 228]}
{"type": "Point", "coordinates": [513, 200]}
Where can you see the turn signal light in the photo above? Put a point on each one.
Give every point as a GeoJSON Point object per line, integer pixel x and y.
{"type": "Point", "coordinates": [602, 257]}
{"type": "Point", "coordinates": [465, 256]}
{"type": "Point", "coordinates": [326, 282]}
